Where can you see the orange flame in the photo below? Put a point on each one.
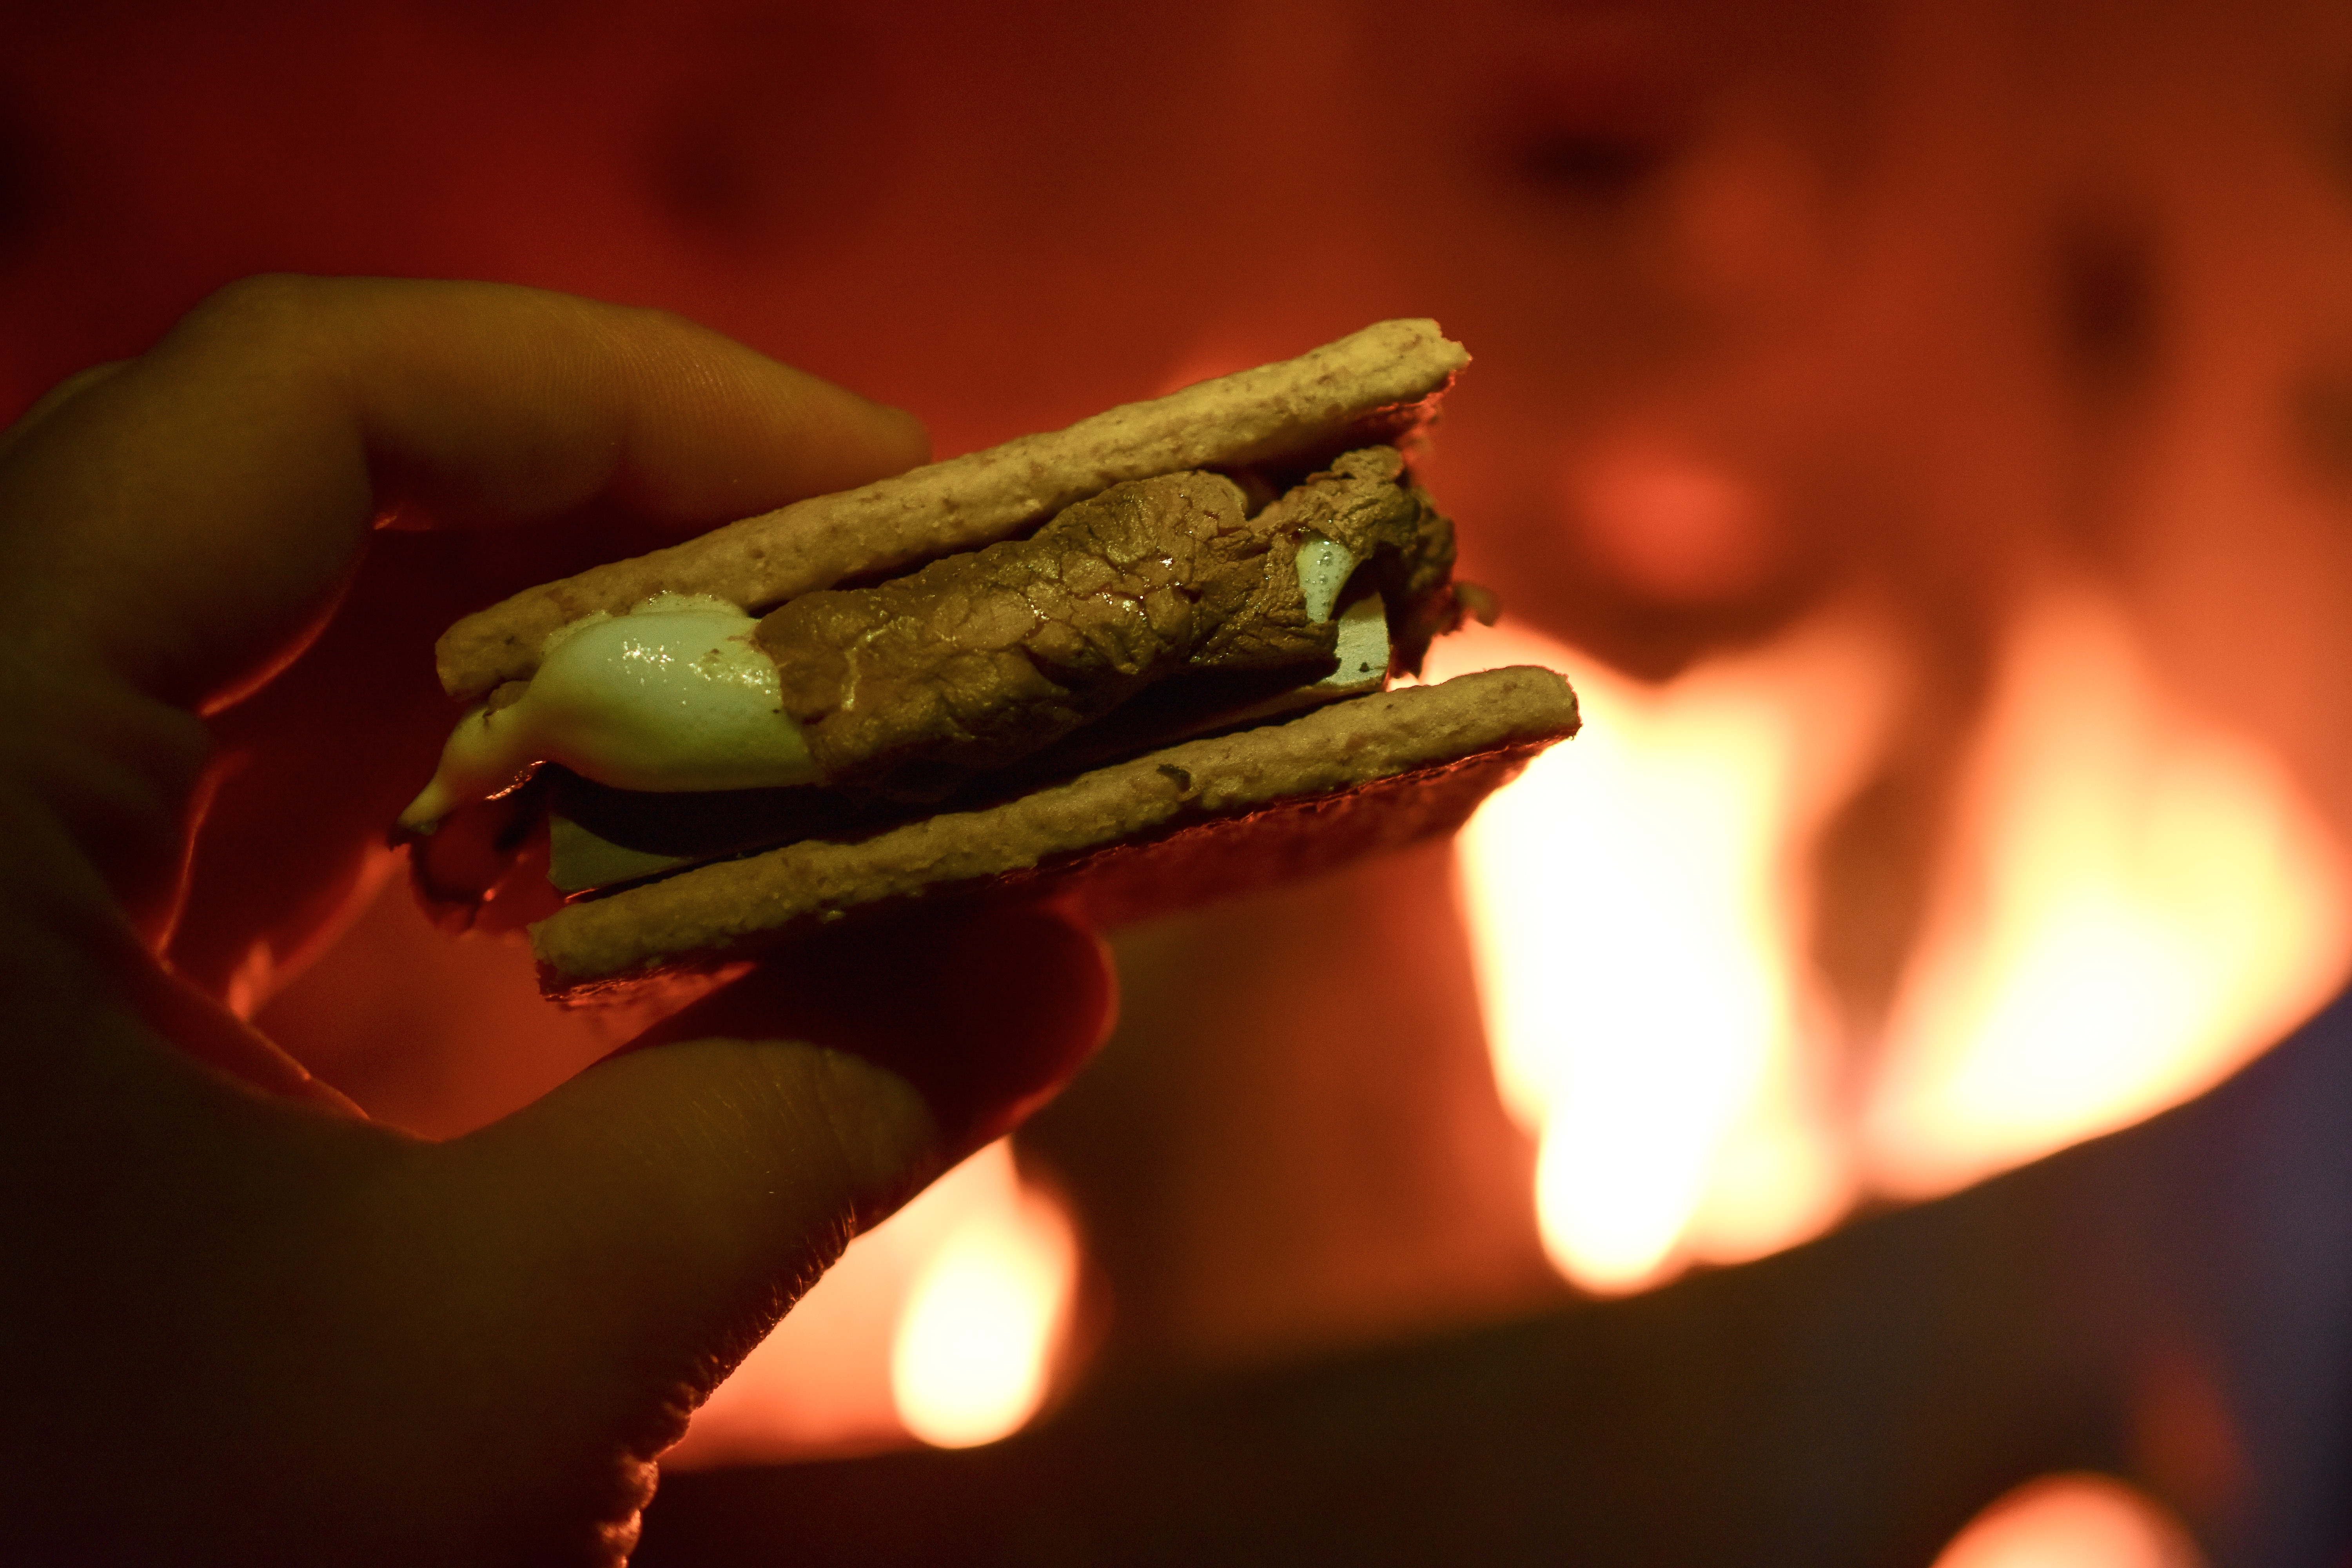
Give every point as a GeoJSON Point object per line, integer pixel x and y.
{"type": "Point", "coordinates": [2073, 1521]}
{"type": "Point", "coordinates": [2135, 902]}
{"type": "Point", "coordinates": [2138, 902]}
{"type": "Point", "coordinates": [857, 1365]}
{"type": "Point", "coordinates": [1630, 900]}
{"type": "Point", "coordinates": [976, 1342]}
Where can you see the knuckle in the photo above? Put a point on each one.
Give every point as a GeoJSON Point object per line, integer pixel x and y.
{"type": "Point", "coordinates": [282, 326]}
{"type": "Point", "coordinates": [266, 301]}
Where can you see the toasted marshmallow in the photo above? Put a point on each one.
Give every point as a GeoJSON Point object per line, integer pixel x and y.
{"type": "Point", "coordinates": [673, 696]}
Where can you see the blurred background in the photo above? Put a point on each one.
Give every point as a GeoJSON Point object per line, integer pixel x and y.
{"type": "Point", "coordinates": [1813, 1116]}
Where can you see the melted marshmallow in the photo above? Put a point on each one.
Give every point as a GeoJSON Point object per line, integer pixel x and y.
{"type": "Point", "coordinates": [673, 696]}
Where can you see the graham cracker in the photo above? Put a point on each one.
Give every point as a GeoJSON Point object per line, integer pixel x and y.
{"type": "Point", "coordinates": [1372, 385]}
{"type": "Point", "coordinates": [1171, 828]}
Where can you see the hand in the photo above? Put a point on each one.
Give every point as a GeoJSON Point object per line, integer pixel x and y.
{"type": "Point", "coordinates": [246, 1324]}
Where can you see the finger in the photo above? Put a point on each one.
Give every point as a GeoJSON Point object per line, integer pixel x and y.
{"type": "Point", "coordinates": [57, 397]}
{"type": "Point", "coordinates": [238, 933]}
{"type": "Point", "coordinates": [184, 517]}
{"type": "Point", "coordinates": [212, 1033]}
{"type": "Point", "coordinates": [985, 1011]}
{"type": "Point", "coordinates": [179, 525]}
{"type": "Point", "coordinates": [289, 797]}
{"type": "Point", "coordinates": [679, 1196]}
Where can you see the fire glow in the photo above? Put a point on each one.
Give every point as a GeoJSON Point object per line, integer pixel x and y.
{"type": "Point", "coordinates": [1628, 900]}
{"type": "Point", "coordinates": [976, 1338]}
{"type": "Point", "coordinates": [944, 1323]}
{"type": "Point", "coordinates": [2073, 1521]}
{"type": "Point", "coordinates": [2138, 903]}
{"type": "Point", "coordinates": [2135, 902]}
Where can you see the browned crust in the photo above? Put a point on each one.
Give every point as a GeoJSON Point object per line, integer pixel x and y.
{"type": "Point", "coordinates": [1174, 828]}
{"type": "Point", "coordinates": [1371, 386]}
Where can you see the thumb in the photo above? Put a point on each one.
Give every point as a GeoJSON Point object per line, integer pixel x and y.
{"type": "Point", "coordinates": [656, 1215]}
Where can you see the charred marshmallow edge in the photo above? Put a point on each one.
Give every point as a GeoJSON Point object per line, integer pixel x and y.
{"type": "Point", "coordinates": [675, 696]}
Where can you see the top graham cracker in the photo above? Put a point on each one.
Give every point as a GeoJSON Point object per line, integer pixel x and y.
{"type": "Point", "coordinates": [1372, 385]}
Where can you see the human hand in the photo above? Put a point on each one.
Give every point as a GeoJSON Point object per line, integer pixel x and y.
{"type": "Point", "coordinates": [248, 1324]}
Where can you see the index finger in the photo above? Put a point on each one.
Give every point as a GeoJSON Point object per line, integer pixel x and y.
{"type": "Point", "coordinates": [180, 523]}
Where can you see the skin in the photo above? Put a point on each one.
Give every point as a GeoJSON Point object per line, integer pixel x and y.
{"type": "Point", "coordinates": [247, 1323]}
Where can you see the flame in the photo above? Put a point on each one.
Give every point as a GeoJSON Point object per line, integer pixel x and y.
{"type": "Point", "coordinates": [1631, 903]}
{"type": "Point", "coordinates": [976, 1342]}
{"type": "Point", "coordinates": [2135, 903]}
{"type": "Point", "coordinates": [2139, 902]}
{"type": "Point", "coordinates": [2073, 1521]}
{"type": "Point", "coordinates": [828, 1381]}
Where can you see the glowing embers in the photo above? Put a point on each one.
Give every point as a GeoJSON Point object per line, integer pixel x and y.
{"type": "Point", "coordinates": [2073, 1521]}
{"type": "Point", "coordinates": [946, 1322]}
{"type": "Point", "coordinates": [2130, 902]}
